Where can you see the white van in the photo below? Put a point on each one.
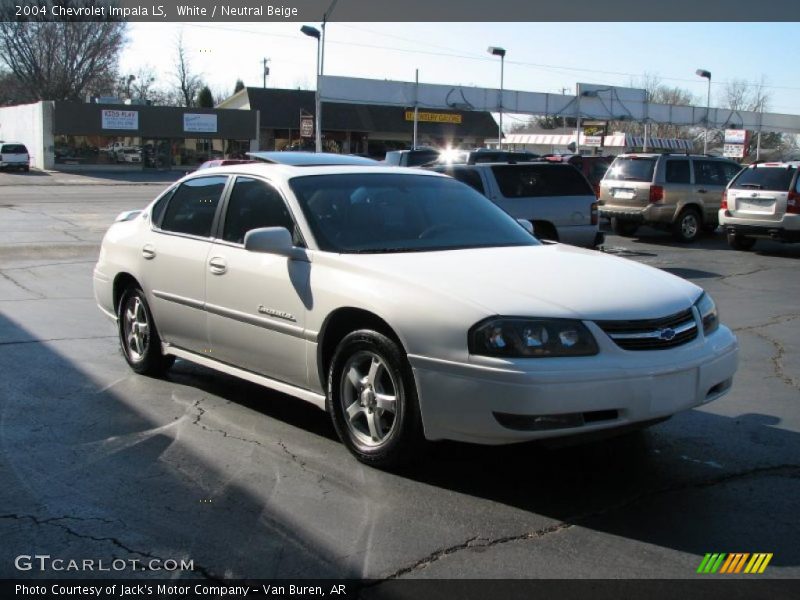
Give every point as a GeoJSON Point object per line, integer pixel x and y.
{"type": "Point", "coordinates": [14, 156]}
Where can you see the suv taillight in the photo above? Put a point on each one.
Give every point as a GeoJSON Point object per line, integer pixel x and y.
{"type": "Point", "coordinates": [656, 193]}
{"type": "Point", "coordinates": [793, 203]}
{"type": "Point", "coordinates": [724, 203]}
{"type": "Point", "coordinates": [595, 214]}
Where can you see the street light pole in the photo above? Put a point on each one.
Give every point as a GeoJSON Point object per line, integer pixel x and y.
{"type": "Point", "coordinates": [501, 52]}
{"type": "Point", "coordinates": [314, 32]}
{"type": "Point", "coordinates": [706, 75]}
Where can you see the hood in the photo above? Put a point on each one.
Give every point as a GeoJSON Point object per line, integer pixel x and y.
{"type": "Point", "coordinates": [551, 280]}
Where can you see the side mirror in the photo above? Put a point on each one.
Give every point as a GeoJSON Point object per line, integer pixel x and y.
{"type": "Point", "coordinates": [526, 224]}
{"type": "Point", "coordinates": [273, 240]}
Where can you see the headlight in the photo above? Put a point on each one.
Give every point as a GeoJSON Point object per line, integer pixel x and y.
{"type": "Point", "coordinates": [708, 314]}
{"type": "Point", "coordinates": [535, 338]}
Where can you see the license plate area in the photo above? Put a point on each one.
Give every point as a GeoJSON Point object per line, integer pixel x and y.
{"type": "Point", "coordinates": [623, 193]}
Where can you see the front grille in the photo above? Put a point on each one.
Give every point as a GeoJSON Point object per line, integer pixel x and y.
{"type": "Point", "coordinates": [652, 334]}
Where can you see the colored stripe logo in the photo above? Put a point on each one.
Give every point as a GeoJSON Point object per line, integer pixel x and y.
{"type": "Point", "coordinates": [734, 563]}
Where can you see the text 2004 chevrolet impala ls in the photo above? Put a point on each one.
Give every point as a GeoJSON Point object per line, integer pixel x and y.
{"type": "Point", "coordinates": [407, 305]}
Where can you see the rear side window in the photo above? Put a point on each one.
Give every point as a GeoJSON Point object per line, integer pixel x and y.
{"type": "Point", "coordinates": [254, 204]}
{"type": "Point", "coordinates": [731, 170]}
{"type": "Point", "coordinates": [468, 176]}
{"type": "Point", "coordinates": [392, 158]}
{"type": "Point", "coordinates": [536, 180]}
{"type": "Point", "coordinates": [193, 205]}
{"type": "Point", "coordinates": [775, 179]}
{"type": "Point", "coordinates": [710, 172]}
{"type": "Point", "coordinates": [14, 149]}
{"type": "Point", "coordinates": [629, 168]}
{"type": "Point", "coordinates": [597, 171]}
{"type": "Point", "coordinates": [677, 171]}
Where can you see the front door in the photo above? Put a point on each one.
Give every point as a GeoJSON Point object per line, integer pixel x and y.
{"type": "Point", "coordinates": [256, 303]}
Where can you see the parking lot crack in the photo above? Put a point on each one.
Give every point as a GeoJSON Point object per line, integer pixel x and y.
{"type": "Point", "coordinates": [19, 285]}
{"type": "Point", "coordinates": [197, 421]}
{"type": "Point", "coordinates": [294, 457]}
{"type": "Point", "coordinates": [776, 359]}
{"type": "Point", "coordinates": [56, 522]}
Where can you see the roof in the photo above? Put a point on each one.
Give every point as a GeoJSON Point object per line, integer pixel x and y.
{"type": "Point", "coordinates": [281, 108]}
{"type": "Point", "coordinates": [311, 159]}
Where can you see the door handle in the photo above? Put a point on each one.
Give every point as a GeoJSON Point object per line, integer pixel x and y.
{"type": "Point", "coordinates": [218, 265]}
{"type": "Point", "coordinates": [148, 251]}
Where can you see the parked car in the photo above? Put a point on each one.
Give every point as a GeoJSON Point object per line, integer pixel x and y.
{"type": "Point", "coordinates": [129, 155]}
{"type": "Point", "coordinates": [407, 305]}
{"type": "Point", "coordinates": [487, 155]}
{"type": "Point", "coordinates": [593, 167]}
{"type": "Point", "coordinates": [555, 198]}
{"type": "Point", "coordinates": [14, 155]}
{"type": "Point", "coordinates": [677, 192]}
{"type": "Point", "coordinates": [762, 202]}
{"type": "Point", "coordinates": [411, 158]}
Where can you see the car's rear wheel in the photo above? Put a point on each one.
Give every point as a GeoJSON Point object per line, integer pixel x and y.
{"type": "Point", "coordinates": [623, 227]}
{"type": "Point", "coordinates": [687, 226]}
{"type": "Point", "coordinates": [741, 242]}
{"type": "Point", "coordinates": [373, 402]}
{"type": "Point", "coordinates": [138, 336]}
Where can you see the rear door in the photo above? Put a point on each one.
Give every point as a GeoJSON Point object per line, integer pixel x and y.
{"type": "Point", "coordinates": [13, 155]}
{"type": "Point", "coordinates": [173, 264]}
{"type": "Point", "coordinates": [678, 188]}
{"type": "Point", "coordinates": [761, 191]}
{"type": "Point", "coordinates": [710, 179]}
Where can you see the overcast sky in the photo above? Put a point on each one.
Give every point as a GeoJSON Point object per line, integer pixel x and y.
{"type": "Point", "coordinates": [541, 57]}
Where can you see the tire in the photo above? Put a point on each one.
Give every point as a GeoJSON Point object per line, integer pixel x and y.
{"type": "Point", "coordinates": [138, 336]}
{"type": "Point", "coordinates": [367, 370]}
{"type": "Point", "coordinates": [544, 231]}
{"type": "Point", "coordinates": [623, 227]}
{"type": "Point", "coordinates": [741, 242]}
{"type": "Point", "coordinates": [687, 226]}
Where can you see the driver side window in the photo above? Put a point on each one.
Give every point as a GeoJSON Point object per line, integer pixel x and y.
{"type": "Point", "coordinates": [254, 204]}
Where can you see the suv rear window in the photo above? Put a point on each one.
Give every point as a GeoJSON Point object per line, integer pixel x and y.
{"type": "Point", "coordinates": [530, 181]}
{"type": "Point", "coordinates": [631, 168]}
{"type": "Point", "coordinates": [13, 149]}
{"type": "Point", "coordinates": [775, 179]}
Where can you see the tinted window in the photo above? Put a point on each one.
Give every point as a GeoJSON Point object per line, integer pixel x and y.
{"type": "Point", "coordinates": [776, 179]}
{"type": "Point", "coordinates": [383, 212]}
{"type": "Point", "coordinates": [597, 170]}
{"type": "Point", "coordinates": [192, 207]}
{"type": "Point", "coordinates": [470, 177]}
{"type": "Point", "coordinates": [632, 169]}
{"type": "Point", "coordinates": [421, 157]}
{"type": "Point", "coordinates": [709, 172]}
{"type": "Point", "coordinates": [730, 170]}
{"type": "Point", "coordinates": [536, 180]}
{"type": "Point", "coordinates": [254, 204]}
{"type": "Point", "coordinates": [14, 149]}
{"type": "Point", "coordinates": [160, 206]}
{"type": "Point", "coordinates": [677, 171]}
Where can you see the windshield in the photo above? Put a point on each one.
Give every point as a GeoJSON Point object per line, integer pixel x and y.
{"type": "Point", "coordinates": [632, 169]}
{"type": "Point", "coordinates": [383, 212]}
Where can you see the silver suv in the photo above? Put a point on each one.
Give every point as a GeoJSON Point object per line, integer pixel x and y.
{"type": "Point", "coordinates": [677, 192]}
{"type": "Point", "coordinates": [763, 201]}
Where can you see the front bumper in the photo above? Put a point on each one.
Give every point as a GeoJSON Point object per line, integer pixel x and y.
{"type": "Point", "coordinates": [529, 400]}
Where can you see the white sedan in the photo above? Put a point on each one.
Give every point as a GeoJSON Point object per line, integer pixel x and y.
{"type": "Point", "coordinates": [407, 305]}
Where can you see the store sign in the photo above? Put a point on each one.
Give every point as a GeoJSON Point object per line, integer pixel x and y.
{"type": "Point", "coordinates": [736, 136]}
{"type": "Point", "coordinates": [733, 150]}
{"type": "Point", "coordinates": [593, 141]}
{"type": "Point", "coordinates": [199, 123]}
{"type": "Point", "coordinates": [430, 117]}
{"type": "Point", "coordinates": [307, 127]}
{"type": "Point", "coordinates": [120, 119]}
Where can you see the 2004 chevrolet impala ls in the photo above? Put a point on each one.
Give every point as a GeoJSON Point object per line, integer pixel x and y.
{"type": "Point", "coordinates": [405, 304]}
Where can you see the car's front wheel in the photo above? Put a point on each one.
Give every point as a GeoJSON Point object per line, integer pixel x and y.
{"type": "Point", "coordinates": [372, 400]}
{"type": "Point", "coordinates": [138, 336]}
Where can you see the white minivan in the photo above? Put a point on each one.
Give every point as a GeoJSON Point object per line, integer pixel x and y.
{"type": "Point", "coordinates": [14, 156]}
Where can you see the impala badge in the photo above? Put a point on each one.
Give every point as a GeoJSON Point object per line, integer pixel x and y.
{"type": "Point", "coordinates": [276, 313]}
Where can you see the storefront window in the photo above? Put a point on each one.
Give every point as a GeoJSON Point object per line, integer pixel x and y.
{"type": "Point", "coordinates": [98, 150]}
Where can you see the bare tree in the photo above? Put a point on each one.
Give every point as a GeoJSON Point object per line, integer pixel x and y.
{"type": "Point", "coordinates": [188, 84]}
{"type": "Point", "coordinates": [740, 94]}
{"type": "Point", "coordinates": [61, 60]}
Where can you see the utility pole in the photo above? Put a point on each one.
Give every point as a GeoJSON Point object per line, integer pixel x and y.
{"type": "Point", "coordinates": [266, 71]}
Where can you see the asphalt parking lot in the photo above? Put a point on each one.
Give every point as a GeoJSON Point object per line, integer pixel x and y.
{"type": "Point", "coordinates": [100, 463]}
